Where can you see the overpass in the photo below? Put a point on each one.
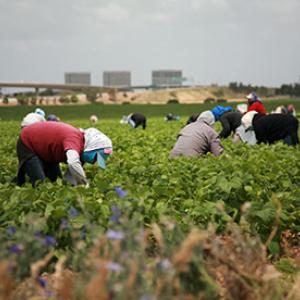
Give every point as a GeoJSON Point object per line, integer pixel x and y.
{"type": "Point", "coordinates": [55, 86]}
{"type": "Point", "coordinates": [81, 87]}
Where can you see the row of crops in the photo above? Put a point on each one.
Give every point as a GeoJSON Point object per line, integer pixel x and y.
{"type": "Point", "coordinates": [155, 228]}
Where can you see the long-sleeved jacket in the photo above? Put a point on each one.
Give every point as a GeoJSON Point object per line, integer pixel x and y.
{"type": "Point", "coordinates": [230, 122]}
{"type": "Point", "coordinates": [274, 127]}
{"type": "Point", "coordinates": [197, 139]}
{"type": "Point", "coordinates": [257, 106]}
{"type": "Point", "coordinates": [138, 119]}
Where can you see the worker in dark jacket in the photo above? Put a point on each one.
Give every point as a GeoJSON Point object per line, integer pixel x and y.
{"type": "Point", "coordinates": [135, 120]}
{"type": "Point", "coordinates": [230, 122]}
{"type": "Point", "coordinates": [272, 128]}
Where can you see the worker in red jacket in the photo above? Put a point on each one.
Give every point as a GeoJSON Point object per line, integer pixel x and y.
{"type": "Point", "coordinates": [254, 104]}
{"type": "Point", "coordinates": [43, 145]}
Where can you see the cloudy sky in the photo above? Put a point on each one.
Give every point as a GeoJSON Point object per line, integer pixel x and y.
{"type": "Point", "coordinates": [212, 41]}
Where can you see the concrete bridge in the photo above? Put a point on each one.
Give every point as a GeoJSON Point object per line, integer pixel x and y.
{"type": "Point", "coordinates": [55, 86]}
{"type": "Point", "coordinates": [79, 87]}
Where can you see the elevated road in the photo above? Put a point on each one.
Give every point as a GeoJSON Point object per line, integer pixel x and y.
{"type": "Point", "coordinates": [80, 87]}
{"type": "Point", "coordinates": [55, 86]}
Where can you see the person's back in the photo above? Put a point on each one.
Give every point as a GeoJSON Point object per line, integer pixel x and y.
{"type": "Point", "coordinates": [230, 122]}
{"type": "Point", "coordinates": [274, 127]}
{"type": "Point", "coordinates": [50, 140]}
{"type": "Point", "coordinates": [138, 119]}
{"type": "Point", "coordinates": [197, 139]}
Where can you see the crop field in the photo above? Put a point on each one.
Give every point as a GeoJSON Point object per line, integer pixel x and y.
{"type": "Point", "coordinates": [149, 227]}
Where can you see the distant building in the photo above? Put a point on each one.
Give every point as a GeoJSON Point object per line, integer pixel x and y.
{"type": "Point", "coordinates": [78, 78]}
{"type": "Point", "coordinates": [167, 77]}
{"type": "Point", "coordinates": [117, 79]}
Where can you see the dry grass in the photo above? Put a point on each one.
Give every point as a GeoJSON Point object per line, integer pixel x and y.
{"type": "Point", "coordinates": [204, 266]}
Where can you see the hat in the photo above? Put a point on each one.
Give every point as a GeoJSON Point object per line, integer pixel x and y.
{"type": "Point", "coordinates": [207, 117]}
{"type": "Point", "coordinates": [94, 140]}
{"type": "Point", "coordinates": [40, 112]}
{"type": "Point", "coordinates": [248, 118]}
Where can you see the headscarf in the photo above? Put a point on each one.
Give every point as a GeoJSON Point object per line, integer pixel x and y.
{"type": "Point", "coordinates": [252, 97]}
{"type": "Point", "coordinates": [96, 146]}
{"type": "Point", "coordinates": [207, 117]}
{"type": "Point", "coordinates": [40, 112]}
{"type": "Point", "coordinates": [95, 139]}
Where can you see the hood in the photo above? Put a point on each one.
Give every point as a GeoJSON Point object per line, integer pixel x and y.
{"type": "Point", "coordinates": [94, 139]}
{"type": "Point", "coordinates": [207, 117]}
{"type": "Point", "coordinates": [247, 119]}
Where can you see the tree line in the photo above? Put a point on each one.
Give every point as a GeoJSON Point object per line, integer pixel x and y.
{"type": "Point", "coordinates": [292, 90]}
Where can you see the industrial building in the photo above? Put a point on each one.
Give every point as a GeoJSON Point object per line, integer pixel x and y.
{"type": "Point", "coordinates": [166, 78]}
{"type": "Point", "coordinates": [117, 79]}
{"type": "Point", "coordinates": [78, 78]}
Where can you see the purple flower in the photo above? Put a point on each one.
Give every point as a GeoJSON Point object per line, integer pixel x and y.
{"type": "Point", "coordinates": [116, 214]}
{"type": "Point", "coordinates": [73, 212]}
{"type": "Point", "coordinates": [115, 267]}
{"type": "Point", "coordinates": [42, 282]}
{"type": "Point", "coordinates": [17, 248]}
{"type": "Point", "coordinates": [121, 193]}
{"type": "Point", "coordinates": [115, 235]}
{"type": "Point", "coordinates": [49, 241]}
{"type": "Point", "coordinates": [64, 224]}
{"type": "Point", "coordinates": [11, 230]}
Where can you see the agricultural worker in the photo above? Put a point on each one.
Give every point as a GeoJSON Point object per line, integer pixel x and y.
{"type": "Point", "coordinates": [254, 104]}
{"type": "Point", "coordinates": [171, 117]}
{"type": "Point", "coordinates": [272, 128]}
{"type": "Point", "coordinates": [53, 118]}
{"type": "Point", "coordinates": [229, 119]}
{"type": "Point", "coordinates": [198, 138]}
{"type": "Point", "coordinates": [135, 120]}
{"type": "Point", "coordinates": [37, 116]}
{"type": "Point", "coordinates": [42, 146]}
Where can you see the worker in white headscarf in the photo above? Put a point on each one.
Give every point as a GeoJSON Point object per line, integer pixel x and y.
{"type": "Point", "coordinates": [37, 116]}
{"type": "Point", "coordinates": [198, 138]}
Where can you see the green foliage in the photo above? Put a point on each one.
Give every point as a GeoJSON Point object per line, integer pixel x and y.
{"type": "Point", "coordinates": [189, 191]}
